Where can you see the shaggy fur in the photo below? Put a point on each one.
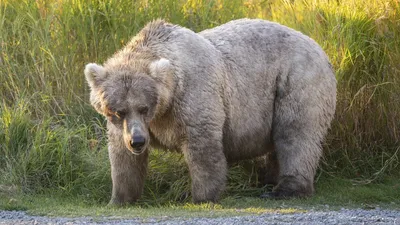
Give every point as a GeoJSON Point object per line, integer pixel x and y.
{"type": "Point", "coordinates": [238, 91]}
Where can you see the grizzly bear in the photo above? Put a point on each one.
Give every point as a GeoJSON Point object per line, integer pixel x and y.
{"type": "Point", "coordinates": [238, 91]}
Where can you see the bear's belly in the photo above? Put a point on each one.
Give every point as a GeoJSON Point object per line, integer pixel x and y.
{"type": "Point", "coordinates": [248, 135]}
{"type": "Point", "coordinates": [241, 147]}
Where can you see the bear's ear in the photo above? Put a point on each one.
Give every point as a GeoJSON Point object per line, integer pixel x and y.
{"type": "Point", "coordinates": [160, 67]}
{"type": "Point", "coordinates": [94, 74]}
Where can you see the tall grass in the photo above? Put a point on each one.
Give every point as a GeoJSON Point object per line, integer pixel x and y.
{"type": "Point", "coordinates": [51, 139]}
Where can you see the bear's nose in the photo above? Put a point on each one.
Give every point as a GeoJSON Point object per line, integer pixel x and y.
{"type": "Point", "coordinates": [137, 141]}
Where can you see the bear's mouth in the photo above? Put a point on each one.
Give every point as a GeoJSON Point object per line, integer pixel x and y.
{"type": "Point", "coordinates": [138, 151]}
{"type": "Point", "coordinates": [136, 146]}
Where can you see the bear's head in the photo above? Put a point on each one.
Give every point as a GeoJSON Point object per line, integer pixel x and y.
{"type": "Point", "coordinates": [130, 98]}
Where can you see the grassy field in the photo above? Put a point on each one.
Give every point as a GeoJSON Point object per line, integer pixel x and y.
{"type": "Point", "coordinates": [52, 141]}
{"type": "Point", "coordinates": [332, 194]}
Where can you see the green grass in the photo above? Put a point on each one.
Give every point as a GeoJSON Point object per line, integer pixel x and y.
{"type": "Point", "coordinates": [52, 141]}
{"type": "Point", "coordinates": [332, 194]}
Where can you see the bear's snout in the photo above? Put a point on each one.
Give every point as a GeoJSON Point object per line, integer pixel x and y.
{"type": "Point", "coordinates": [137, 142]}
{"type": "Point", "coordinates": [136, 139]}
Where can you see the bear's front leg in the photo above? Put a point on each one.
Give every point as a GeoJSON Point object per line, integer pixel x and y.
{"type": "Point", "coordinates": [128, 171]}
{"type": "Point", "coordinates": [207, 164]}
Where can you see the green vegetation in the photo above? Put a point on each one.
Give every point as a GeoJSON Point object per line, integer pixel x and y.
{"type": "Point", "coordinates": [52, 141]}
{"type": "Point", "coordinates": [332, 194]}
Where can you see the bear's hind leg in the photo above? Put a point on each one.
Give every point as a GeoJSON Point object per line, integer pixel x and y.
{"type": "Point", "coordinates": [268, 169]}
{"type": "Point", "coordinates": [298, 161]}
{"type": "Point", "coordinates": [301, 121]}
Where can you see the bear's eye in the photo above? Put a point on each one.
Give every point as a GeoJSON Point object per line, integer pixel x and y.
{"type": "Point", "coordinates": [143, 110]}
{"type": "Point", "coordinates": [115, 115]}
{"type": "Point", "coordinates": [119, 114]}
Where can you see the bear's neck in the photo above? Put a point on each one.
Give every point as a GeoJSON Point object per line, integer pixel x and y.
{"type": "Point", "coordinates": [166, 131]}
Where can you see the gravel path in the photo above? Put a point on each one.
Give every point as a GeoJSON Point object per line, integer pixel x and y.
{"type": "Point", "coordinates": [344, 216]}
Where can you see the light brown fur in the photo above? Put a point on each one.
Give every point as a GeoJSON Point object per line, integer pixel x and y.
{"type": "Point", "coordinates": [241, 90]}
